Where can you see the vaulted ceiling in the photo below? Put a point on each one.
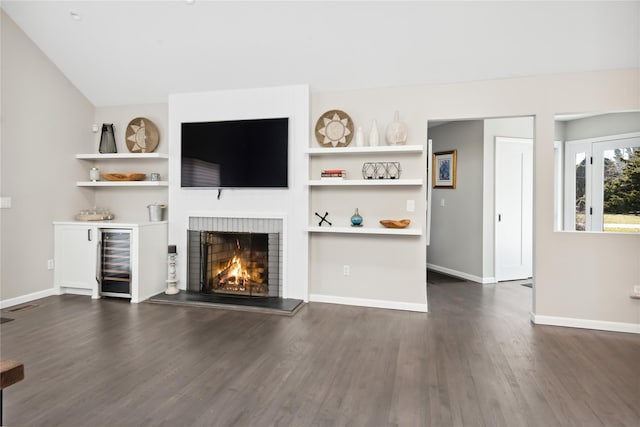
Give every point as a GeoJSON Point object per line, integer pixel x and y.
{"type": "Point", "coordinates": [130, 52]}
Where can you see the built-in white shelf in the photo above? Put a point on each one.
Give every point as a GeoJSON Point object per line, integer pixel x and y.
{"type": "Point", "coordinates": [364, 182]}
{"type": "Point", "coordinates": [120, 156]}
{"type": "Point", "coordinates": [367, 230]}
{"type": "Point", "coordinates": [122, 183]}
{"type": "Point", "coordinates": [321, 151]}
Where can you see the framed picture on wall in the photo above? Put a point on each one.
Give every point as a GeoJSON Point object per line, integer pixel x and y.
{"type": "Point", "coordinates": [444, 169]}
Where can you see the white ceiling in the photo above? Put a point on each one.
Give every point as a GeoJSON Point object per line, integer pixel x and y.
{"type": "Point", "coordinates": [126, 52]}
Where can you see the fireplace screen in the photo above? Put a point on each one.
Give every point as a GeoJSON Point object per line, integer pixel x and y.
{"type": "Point", "coordinates": [235, 263]}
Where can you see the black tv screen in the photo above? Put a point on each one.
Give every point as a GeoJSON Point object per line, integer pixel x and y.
{"type": "Point", "coordinates": [235, 154]}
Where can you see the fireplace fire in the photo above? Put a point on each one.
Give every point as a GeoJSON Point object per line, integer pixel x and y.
{"type": "Point", "coordinates": [235, 263]}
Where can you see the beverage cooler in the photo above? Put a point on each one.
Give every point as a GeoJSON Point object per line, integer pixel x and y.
{"type": "Point", "coordinates": [114, 263]}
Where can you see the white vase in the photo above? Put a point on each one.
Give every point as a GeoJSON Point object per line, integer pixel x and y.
{"type": "Point", "coordinates": [396, 131]}
{"type": "Point", "coordinates": [374, 139]}
{"type": "Point", "coordinates": [359, 137]}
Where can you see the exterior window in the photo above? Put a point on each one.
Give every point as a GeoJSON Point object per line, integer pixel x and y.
{"type": "Point", "coordinates": [602, 184]}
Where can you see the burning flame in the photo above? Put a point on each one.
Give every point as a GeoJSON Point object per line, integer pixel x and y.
{"type": "Point", "coordinates": [235, 272]}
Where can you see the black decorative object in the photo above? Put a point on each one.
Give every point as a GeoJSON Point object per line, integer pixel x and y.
{"type": "Point", "coordinates": [323, 218]}
{"type": "Point", "coordinates": [107, 139]}
{"type": "Point", "coordinates": [381, 170]}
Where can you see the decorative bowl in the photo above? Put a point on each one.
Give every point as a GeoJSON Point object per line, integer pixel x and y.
{"type": "Point", "coordinates": [395, 223]}
{"type": "Point", "coordinates": [123, 176]}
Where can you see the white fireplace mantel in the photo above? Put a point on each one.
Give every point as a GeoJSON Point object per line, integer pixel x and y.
{"type": "Point", "coordinates": [290, 204]}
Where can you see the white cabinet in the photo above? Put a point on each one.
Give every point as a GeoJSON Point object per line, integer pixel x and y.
{"type": "Point", "coordinates": [77, 257]}
{"type": "Point", "coordinates": [75, 252]}
{"type": "Point", "coordinates": [367, 194]}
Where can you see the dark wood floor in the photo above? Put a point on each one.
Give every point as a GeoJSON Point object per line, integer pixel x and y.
{"type": "Point", "coordinates": [474, 360]}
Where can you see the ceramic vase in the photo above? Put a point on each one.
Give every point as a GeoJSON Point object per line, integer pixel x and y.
{"type": "Point", "coordinates": [373, 135]}
{"type": "Point", "coordinates": [359, 137]}
{"type": "Point", "coordinates": [107, 139]}
{"type": "Point", "coordinates": [396, 131]}
{"type": "Point", "coordinates": [356, 219]}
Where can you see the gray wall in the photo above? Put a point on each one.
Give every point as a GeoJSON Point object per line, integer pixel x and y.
{"type": "Point", "coordinates": [456, 228]}
{"type": "Point", "coordinates": [45, 122]}
{"type": "Point", "coordinates": [601, 125]}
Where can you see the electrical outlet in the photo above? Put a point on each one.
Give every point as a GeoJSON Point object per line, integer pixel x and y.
{"type": "Point", "coordinates": [442, 203]}
{"type": "Point", "coordinates": [636, 289]}
{"type": "Point", "coordinates": [346, 270]}
{"type": "Point", "coordinates": [50, 264]}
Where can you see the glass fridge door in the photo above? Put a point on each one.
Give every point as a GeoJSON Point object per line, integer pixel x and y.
{"type": "Point", "coordinates": [115, 263]}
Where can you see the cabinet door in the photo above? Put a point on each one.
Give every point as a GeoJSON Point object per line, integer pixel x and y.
{"type": "Point", "coordinates": [75, 258]}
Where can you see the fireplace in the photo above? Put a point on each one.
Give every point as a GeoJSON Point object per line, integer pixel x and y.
{"type": "Point", "coordinates": [234, 263]}
{"type": "Point", "coordinates": [239, 258]}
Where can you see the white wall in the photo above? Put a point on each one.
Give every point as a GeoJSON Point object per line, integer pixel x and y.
{"type": "Point", "coordinates": [291, 204]}
{"type": "Point", "coordinates": [45, 122]}
{"type": "Point", "coordinates": [573, 282]}
{"type": "Point", "coordinates": [456, 228]}
{"type": "Point", "coordinates": [385, 271]}
{"type": "Point", "coordinates": [131, 203]}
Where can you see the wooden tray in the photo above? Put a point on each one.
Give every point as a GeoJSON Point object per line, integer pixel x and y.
{"type": "Point", "coordinates": [123, 176]}
{"type": "Point", "coordinates": [94, 217]}
{"type": "Point", "coordinates": [393, 223]}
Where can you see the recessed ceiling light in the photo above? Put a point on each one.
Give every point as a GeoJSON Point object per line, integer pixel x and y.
{"type": "Point", "coordinates": [75, 15]}
{"type": "Point", "coordinates": [189, 1]}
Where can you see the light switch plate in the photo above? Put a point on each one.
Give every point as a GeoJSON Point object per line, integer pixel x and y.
{"type": "Point", "coordinates": [5, 202]}
{"type": "Point", "coordinates": [411, 205]}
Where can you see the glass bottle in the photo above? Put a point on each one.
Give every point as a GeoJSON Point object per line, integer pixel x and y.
{"type": "Point", "coordinates": [356, 219]}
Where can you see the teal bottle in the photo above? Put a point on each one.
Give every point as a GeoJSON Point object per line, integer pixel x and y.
{"type": "Point", "coordinates": [356, 219]}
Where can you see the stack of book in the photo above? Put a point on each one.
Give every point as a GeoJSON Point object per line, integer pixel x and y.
{"type": "Point", "coordinates": [333, 174]}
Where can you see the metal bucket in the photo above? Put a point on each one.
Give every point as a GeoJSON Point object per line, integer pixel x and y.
{"type": "Point", "coordinates": [156, 212]}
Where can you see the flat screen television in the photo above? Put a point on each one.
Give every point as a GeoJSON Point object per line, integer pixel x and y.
{"type": "Point", "coordinates": [235, 154]}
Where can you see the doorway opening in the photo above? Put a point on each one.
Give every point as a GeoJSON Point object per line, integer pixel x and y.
{"type": "Point", "coordinates": [465, 222]}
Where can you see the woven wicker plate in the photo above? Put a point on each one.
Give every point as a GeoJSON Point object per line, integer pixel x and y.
{"type": "Point", "coordinates": [142, 135]}
{"type": "Point", "coordinates": [334, 129]}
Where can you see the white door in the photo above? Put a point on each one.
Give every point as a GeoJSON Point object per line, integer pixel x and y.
{"type": "Point", "coordinates": [514, 208]}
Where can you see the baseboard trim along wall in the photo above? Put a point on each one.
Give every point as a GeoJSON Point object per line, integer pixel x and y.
{"type": "Point", "coordinates": [466, 276]}
{"type": "Point", "coordinates": [27, 298]}
{"type": "Point", "coordinates": [599, 325]}
{"type": "Point", "coordinates": [373, 303]}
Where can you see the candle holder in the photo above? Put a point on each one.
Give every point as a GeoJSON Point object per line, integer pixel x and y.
{"type": "Point", "coordinates": [172, 289]}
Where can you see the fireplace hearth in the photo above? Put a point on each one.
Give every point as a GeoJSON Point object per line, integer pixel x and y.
{"type": "Point", "coordinates": [222, 283]}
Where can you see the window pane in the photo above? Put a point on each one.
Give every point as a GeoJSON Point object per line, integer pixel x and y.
{"type": "Point", "coordinates": [621, 177]}
{"type": "Point", "coordinates": [581, 185]}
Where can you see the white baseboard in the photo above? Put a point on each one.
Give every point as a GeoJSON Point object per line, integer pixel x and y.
{"type": "Point", "coordinates": [462, 275]}
{"type": "Point", "coordinates": [374, 303]}
{"type": "Point", "coordinates": [600, 325]}
{"type": "Point", "coordinates": [27, 298]}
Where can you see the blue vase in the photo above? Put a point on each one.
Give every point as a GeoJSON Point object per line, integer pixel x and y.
{"type": "Point", "coordinates": [356, 219]}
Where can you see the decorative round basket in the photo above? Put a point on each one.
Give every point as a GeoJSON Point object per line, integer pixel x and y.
{"type": "Point", "coordinates": [141, 136]}
{"type": "Point", "coordinates": [334, 129]}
